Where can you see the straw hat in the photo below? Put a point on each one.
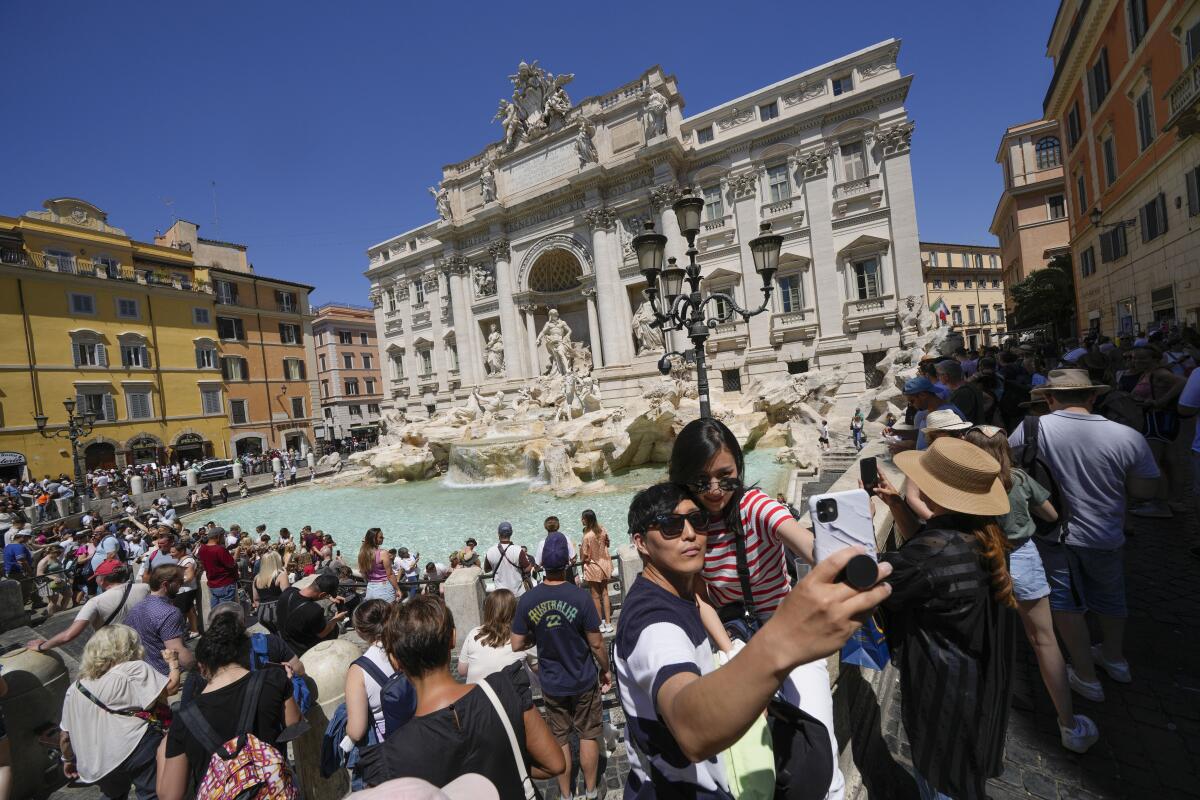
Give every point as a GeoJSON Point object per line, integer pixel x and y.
{"type": "Point", "coordinates": [1068, 380]}
{"type": "Point", "coordinates": [944, 421]}
{"type": "Point", "coordinates": [958, 476]}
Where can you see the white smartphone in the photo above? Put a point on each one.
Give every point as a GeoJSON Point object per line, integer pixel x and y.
{"type": "Point", "coordinates": [842, 519]}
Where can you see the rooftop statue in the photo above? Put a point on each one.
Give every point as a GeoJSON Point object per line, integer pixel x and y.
{"type": "Point", "coordinates": [539, 104]}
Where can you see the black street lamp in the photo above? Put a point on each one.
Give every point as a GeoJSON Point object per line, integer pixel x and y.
{"type": "Point", "coordinates": [78, 426]}
{"type": "Point", "coordinates": [676, 311]}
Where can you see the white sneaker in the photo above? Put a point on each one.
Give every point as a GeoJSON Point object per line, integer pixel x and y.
{"type": "Point", "coordinates": [1081, 737]}
{"type": "Point", "coordinates": [1117, 670]}
{"type": "Point", "coordinates": [1091, 691]}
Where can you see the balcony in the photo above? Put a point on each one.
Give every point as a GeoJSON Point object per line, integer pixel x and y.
{"type": "Point", "coordinates": [783, 212]}
{"type": "Point", "coordinates": [790, 326]}
{"type": "Point", "coordinates": [870, 312]}
{"type": "Point", "coordinates": [421, 319]}
{"type": "Point", "coordinates": [719, 232]}
{"type": "Point", "coordinates": [111, 271]}
{"type": "Point", "coordinates": [1183, 101]}
{"type": "Point", "coordinates": [860, 194]}
{"type": "Point", "coordinates": [731, 335]}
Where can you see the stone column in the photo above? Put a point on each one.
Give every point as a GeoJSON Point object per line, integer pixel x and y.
{"type": "Point", "coordinates": [661, 198]}
{"type": "Point", "coordinates": [617, 348]}
{"type": "Point", "coordinates": [896, 172]}
{"type": "Point", "coordinates": [744, 188]}
{"type": "Point", "coordinates": [814, 171]}
{"type": "Point", "coordinates": [469, 358]}
{"type": "Point", "coordinates": [510, 326]}
{"type": "Point", "coordinates": [531, 340]}
{"type": "Point", "coordinates": [594, 339]}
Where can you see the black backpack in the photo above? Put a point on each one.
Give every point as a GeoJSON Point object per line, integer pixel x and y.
{"type": "Point", "coordinates": [1029, 458]}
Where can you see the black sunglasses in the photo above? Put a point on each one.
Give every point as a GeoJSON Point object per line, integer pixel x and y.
{"type": "Point", "coordinates": [701, 485]}
{"type": "Point", "coordinates": [671, 525]}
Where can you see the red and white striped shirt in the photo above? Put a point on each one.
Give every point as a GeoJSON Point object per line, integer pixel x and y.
{"type": "Point", "coordinates": [761, 518]}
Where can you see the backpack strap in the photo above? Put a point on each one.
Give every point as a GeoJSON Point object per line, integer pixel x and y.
{"type": "Point", "coordinates": [743, 569]}
{"type": "Point", "coordinates": [258, 651]}
{"type": "Point", "coordinates": [1030, 427]}
{"type": "Point", "coordinates": [371, 668]}
{"type": "Point", "coordinates": [250, 704]}
{"type": "Point", "coordinates": [194, 721]}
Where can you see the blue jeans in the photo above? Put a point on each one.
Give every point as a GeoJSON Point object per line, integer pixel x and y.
{"type": "Point", "coordinates": [224, 594]}
{"type": "Point", "coordinates": [927, 790]}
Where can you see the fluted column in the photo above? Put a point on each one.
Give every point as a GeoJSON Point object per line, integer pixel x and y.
{"type": "Point", "coordinates": [615, 343]}
{"type": "Point", "coordinates": [593, 327]}
{"type": "Point", "coordinates": [469, 357]}
{"type": "Point", "coordinates": [531, 341]}
{"type": "Point", "coordinates": [510, 325]}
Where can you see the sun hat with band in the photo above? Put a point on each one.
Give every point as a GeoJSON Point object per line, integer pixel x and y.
{"type": "Point", "coordinates": [944, 421]}
{"type": "Point", "coordinates": [1068, 380]}
{"type": "Point", "coordinates": [958, 476]}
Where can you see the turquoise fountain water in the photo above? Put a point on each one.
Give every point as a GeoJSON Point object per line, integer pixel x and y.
{"type": "Point", "coordinates": [434, 519]}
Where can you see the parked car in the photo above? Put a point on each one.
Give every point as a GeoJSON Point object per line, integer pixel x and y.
{"type": "Point", "coordinates": [214, 468]}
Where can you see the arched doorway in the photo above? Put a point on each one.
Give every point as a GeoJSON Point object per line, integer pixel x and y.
{"type": "Point", "coordinates": [100, 455]}
{"type": "Point", "coordinates": [189, 447]}
{"type": "Point", "coordinates": [144, 450]}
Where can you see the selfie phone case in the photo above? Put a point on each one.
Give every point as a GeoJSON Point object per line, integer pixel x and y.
{"type": "Point", "coordinates": [853, 525]}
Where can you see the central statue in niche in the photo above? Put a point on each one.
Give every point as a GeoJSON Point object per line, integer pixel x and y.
{"type": "Point", "coordinates": [555, 336]}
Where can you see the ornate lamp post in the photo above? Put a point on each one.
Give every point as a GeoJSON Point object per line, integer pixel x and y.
{"type": "Point", "coordinates": [675, 310]}
{"type": "Point", "coordinates": [78, 426]}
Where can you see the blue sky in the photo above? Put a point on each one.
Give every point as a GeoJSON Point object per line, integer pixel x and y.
{"type": "Point", "coordinates": [322, 124]}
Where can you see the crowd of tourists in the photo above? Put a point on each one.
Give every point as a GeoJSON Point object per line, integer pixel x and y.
{"type": "Point", "coordinates": [1019, 465]}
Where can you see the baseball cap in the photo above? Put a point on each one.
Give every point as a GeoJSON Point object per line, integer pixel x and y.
{"type": "Point", "coordinates": [556, 553]}
{"type": "Point", "coordinates": [1075, 355]}
{"type": "Point", "coordinates": [505, 529]}
{"type": "Point", "coordinates": [108, 567]}
{"type": "Point", "coordinates": [917, 385]}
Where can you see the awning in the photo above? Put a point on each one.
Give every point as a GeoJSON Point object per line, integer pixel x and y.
{"type": "Point", "coordinates": [11, 458]}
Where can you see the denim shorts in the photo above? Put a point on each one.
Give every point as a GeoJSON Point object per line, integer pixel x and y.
{"type": "Point", "coordinates": [1028, 574]}
{"type": "Point", "coordinates": [1085, 578]}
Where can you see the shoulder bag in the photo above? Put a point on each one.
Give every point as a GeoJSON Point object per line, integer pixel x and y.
{"type": "Point", "coordinates": [531, 792]}
{"type": "Point", "coordinates": [128, 588]}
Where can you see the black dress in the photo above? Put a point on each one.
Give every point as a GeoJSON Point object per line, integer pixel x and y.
{"type": "Point", "coordinates": [953, 644]}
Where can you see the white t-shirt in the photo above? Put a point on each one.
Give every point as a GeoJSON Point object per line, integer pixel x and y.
{"type": "Point", "coordinates": [1091, 458]}
{"type": "Point", "coordinates": [97, 609]}
{"type": "Point", "coordinates": [505, 560]}
{"type": "Point", "coordinates": [101, 740]}
{"type": "Point", "coordinates": [483, 660]}
{"type": "Point", "coordinates": [1191, 399]}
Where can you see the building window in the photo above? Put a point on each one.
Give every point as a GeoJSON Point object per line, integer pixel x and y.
{"type": "Point", "coordinates": [234, 368]}
{"type": "Point", "coordinates": [1144, 109]}
{"type": "Point", "coordinates": [345, 337]}
{"type": "Point", "coordinates": [704, 135]}
{"type": "Point", "coordinates": [366, 360]}
{"type": "Point", "coordinates": [293, 369]}
{"type": "Point", "coordinates": [1049, 152]}
{"type": "Point", "coordinates": [1153, 218]}
{"type": "Point", "coordinates": [999, 314]}
{"type": "Point", "coordinates": [1193, 42]}
{"type": "Point", "coordinates": [89, 354]}
{"type": "Point", "coordinates": [1087, 262]}
{"type": "Point", "coordinates": [854, 165]}
{"type": "Point", "coordinates": [1126, 315]}
{"type": "Point", "coordinates": [59, 260]}
{"type": "Point", "coordinates": [1108, 150]}
{"type": "Point", "coordinates": [1057, 206]}
{"type": "Point", "coordinates": [979, 261]}
{"type": "Point", "coordinates": [101, 404]}
{"type": "Point", "coordinates": [1113, 244]}
{"type": "Point", "coordinates": [721, 306]}
{"type": "Point", "coordinates": [325, 389]}
{"type": "Point", "coordinates": [967, 283]}
{"type": "Point", "coordinates": [768, 111]}
{"type": "Point", "coordinates": [82, 303]}
{"type": "Point", "coordinates": [985, 315]}
{"type": "Point", "coordinates": [237, 412]}
{"type": "Point", "coordinates": [397, 366]}
{"type": "Point", "coordinates": [1098, 80]}
{"type": "Point", "coordinates": [348, 360]}
{"type": "Point", "coordinates": [373, 409]}
{"type": "Point", "coordinates": [714, 205]}
{"type": "Point", "coordinates": [127, 308]}
{"type": "Point", "coordinates": [351, 386]}
{"type": "Point", "coordinates": [1139, 22]}
{"type": "Point", "coordinates": [362, 339]}
{"type": "Point", "coordinates": [298, 408]}
{"type": "Point", "coordinates": [135, 355]}
{"type": "Point", "coordinates": [933, 259]}
{"type": "Point", "coordinates": [210, 401]}
{"type": "Point", "coordinates": [451, 348]}
{"type": "Point", "coordinates": [731, 380]}
{"type": "Point", "coordinates": [322, 363]}
{"type": "Point", "coordinates": [285, 301]}
{"type": "Point", "coordinates": [994, 261]}
{"type": "Point", "coordinates": [954, 283]}
{"type": "Point", "coordinates": [779, 187]}
{"type": "Point", "coordinates": [206, 357]}
{"type": "Point", "coordinates": [369, 385]}
{"type": "Point", "coordinates": [791, 293]}
{"type": "Point", "coordinates": [866, 278]}
{"type": "Point", "coordinates": [1081, 194]}
{"type": "Point", "coordinates": [995, 284]}
{"type": "Point", "coordinates": [1193, 191]}
{"type": "Point", "coordinates": [391, 299]}
{"type": "Point", "coordinates": [289, 333]}
{"type": "Point", "coordinates": [842, 84]}
{"type": "Point", "coordinates": [797, 367]}
{"type": "Point", "coordinates": [419, 292]}
{"type": "Point", "coordinates": [426, 357]}
{"type": "Point", "coordinates": [955, 315]}
{"type": "Point", "coordinates": [226, 292]}
{"type": "Point", "coordinates": [937, 283]}
{"type": "Point", "coordinates": [231, 329]}
{"type": "Point", "coordinates": [355, 410]}
{"type": "Point", "coordinates": [137, 405]}
{"type": "Point", "coordinates": [1074, 129]}
{"type": "Point", "coordinates": [200, 316]}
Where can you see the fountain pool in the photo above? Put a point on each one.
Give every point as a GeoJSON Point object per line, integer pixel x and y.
{"type": "Point", "coordinates": [434, 519]}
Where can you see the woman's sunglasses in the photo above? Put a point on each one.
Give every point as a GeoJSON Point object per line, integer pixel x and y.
{"type": "Point", "coordinates": [702, 485]}
{"type": "Point", "coordinates": [671, 525]}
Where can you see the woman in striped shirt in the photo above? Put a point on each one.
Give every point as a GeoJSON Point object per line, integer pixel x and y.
{"type": "Point", "coordinates": [708, 460]}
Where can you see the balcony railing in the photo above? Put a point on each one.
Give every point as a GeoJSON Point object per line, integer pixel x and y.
{"type": "Point", "coordinates": [853, 188]}
{"type": "Point", "coordinates": [70, 265]}
{"type": "Point", "coordinates": [1183, 101]}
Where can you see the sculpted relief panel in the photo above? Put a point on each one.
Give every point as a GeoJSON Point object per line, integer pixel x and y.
{"type": "Point", "coordinates": [541, 166]}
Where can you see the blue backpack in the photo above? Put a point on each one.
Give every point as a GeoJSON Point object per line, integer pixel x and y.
{"type": "Point", "coordinates": [259, 657]}
{"type": "Point", "coordinates": [397, 697]}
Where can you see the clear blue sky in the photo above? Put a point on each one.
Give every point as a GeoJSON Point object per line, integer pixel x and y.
{"type": "Point", "coordinates": [322, 123]}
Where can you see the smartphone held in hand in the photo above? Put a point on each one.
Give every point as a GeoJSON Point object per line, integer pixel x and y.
{"type": "Point", "coordinates": [868, 472]}
{"type": "Point", "coordinates": [842, 519]}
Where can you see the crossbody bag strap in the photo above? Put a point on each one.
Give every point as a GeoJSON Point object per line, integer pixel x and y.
{"type": "Point", "coordinates": [120, 605]}
{"type": "Point", "coordinates": [194, 721]}
{"type": "Point", "coordinates": [371, 668]}
{"type": "Point", "coordinates": [743, 569]}
{"type": "Point", "coordinates": [84, 691]}
{"type": "Point", "coordinates": [526, 783]}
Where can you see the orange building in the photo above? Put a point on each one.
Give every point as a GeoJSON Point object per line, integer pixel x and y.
{"type": "Point", "coordinates": [1126, 96]}
{"type": "Point", "coordinates": [1031, 216]}
{"type": "Point", "coordinates": [348, 375]}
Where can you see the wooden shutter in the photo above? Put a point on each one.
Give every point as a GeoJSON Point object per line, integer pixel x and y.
{"type": "Point", "coordinates": [77, 350]}
{"type": "Point", "coordinates": [1106, 254]}
{"type": "Point", "coordinates": [1160, 205]}
{"type": "Point", "coordinates": [1144, 221]}
{"type": "Point", "coordinates": [101, 355]}
{"type": "Point", "coordinates": [303, 370]}
{"type": "Point", "coordinates": [1193, 192]}
{"type": "Point", "coordinates": [199, 359]}
{"type": "Point", "coordinates": [110, 408]}
{"type": "Point", "coordinates": [145, 357]}
{"type": "Point", "coordinates": [80, 404]}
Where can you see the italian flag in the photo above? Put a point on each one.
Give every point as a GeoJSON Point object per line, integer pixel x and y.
{"type": "Point", "coordinates": [940, 309]}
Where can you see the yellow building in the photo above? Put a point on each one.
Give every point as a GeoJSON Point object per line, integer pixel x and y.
{"type": "Point", "coordinates": [970, 280]}
{"type": "Point", "coordinates": [124, 328]}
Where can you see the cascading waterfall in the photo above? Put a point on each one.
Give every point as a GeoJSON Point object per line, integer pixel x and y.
{"type": "Point", "coordinates": [491, 462]}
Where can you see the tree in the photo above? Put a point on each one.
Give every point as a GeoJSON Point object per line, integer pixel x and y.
{"type": "Point", "coordinates": [1047, 297]}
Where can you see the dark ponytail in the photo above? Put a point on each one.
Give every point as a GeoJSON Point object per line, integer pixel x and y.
{"type": "Point", "coordinates": [221, 643]}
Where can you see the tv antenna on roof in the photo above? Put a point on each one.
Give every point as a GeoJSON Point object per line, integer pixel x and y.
{"type": "Point", "coordinates": [214, 199]}
{"type": "Point", "coordinates": [170, 204]}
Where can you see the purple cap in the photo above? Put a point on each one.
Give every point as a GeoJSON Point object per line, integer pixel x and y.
{"type": "Point", "coordinates": [556, 553]}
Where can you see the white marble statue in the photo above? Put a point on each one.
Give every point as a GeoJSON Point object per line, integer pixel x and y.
{"type": "Point", "coordinates": [494, 359]}
{"type": "Point", "coordinates": [510, 120]}
{"type": "Point", "coordinates": [487, 182]}
{"type": "Point", "coordinates": [648, 338]}
{"type": "Point", "coordinates": [585, 148]}
{"type": "Point", "coordinates": [555, 336]}
{"type": "Point", "coordinates": [441, 197]}
{"type": "Point", "coordinates": [484, 280]}
{"type": "Point", "coordinates": [655, 107]}
{"type": "Point", "coordinates": [539, 104]}
{"type": "Point", "coordinates": [580, 358]}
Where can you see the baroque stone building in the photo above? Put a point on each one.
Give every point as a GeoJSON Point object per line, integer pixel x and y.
{"type": "Point", "coordinates": [544, 220]}
{"type": "Point", "coordinates": [967, 278]}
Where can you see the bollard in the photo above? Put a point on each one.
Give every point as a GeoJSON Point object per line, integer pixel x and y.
{"type": "Point", "coordinates": [137, 485]}
{"type": "Point", "coordinates": [204, 600]}
{"type": "Point", "coordinates": [629, 566]}
{"type": "Point", "coordinates": [311, 459]}
{"type": "Point", "coordinates": [464, 597]}
{"type": "Point", "coordinates": [37, 684]}
{"type": "Point", "coordinates": [63, 504]}
{"type": "Point", "coordinates": [12, 605]}
{"type": "Point", "coordinates": [276, 465]}
{"type": "Point", "coordinates": [193, 478]}
{"type": "Point", "coordinates": [325, 668]}
{"type": "Point", "coordinates": [237, 471]}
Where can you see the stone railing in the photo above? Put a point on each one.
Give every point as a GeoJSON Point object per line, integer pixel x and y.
{"type": "Point", "coordinates": [777, 208]}
{"type": "Point", "coordinates": [1183, 98]}
{"type": "Point", "coordinates": [847, 189]}
{"type": "Point", "coordinates": [421, 319]}
{"type": "Point", "coordinates": [714, 224]}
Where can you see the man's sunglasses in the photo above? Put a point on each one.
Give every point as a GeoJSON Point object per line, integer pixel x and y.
{"type": "Point", "coordinates": [702, 485]}
{"type": "Point", "coordinates": [671, 525]}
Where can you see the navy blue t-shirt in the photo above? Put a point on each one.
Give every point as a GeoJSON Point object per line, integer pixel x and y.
{"type": "Point", "coordinates": [559, 618]}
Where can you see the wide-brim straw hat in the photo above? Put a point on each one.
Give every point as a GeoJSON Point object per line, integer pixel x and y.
{"type": "Point", "coordinates": [944, 421]}
{"type": "Point", "coordinates": [958, 476]}
{"type": "Point", "coordinates": [1068, 380]}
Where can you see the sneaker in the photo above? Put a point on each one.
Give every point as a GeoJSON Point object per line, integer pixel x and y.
{"type": "Point", "coordinates": [1091, 691]}
{"type": "Point", "coordinates": [1081, 737]}
{"type": "Point", "coordinates": [1117, 670]}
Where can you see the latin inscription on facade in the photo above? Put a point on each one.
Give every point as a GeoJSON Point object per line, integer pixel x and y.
{"type": "Point", "coordinates": [541, 166]}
